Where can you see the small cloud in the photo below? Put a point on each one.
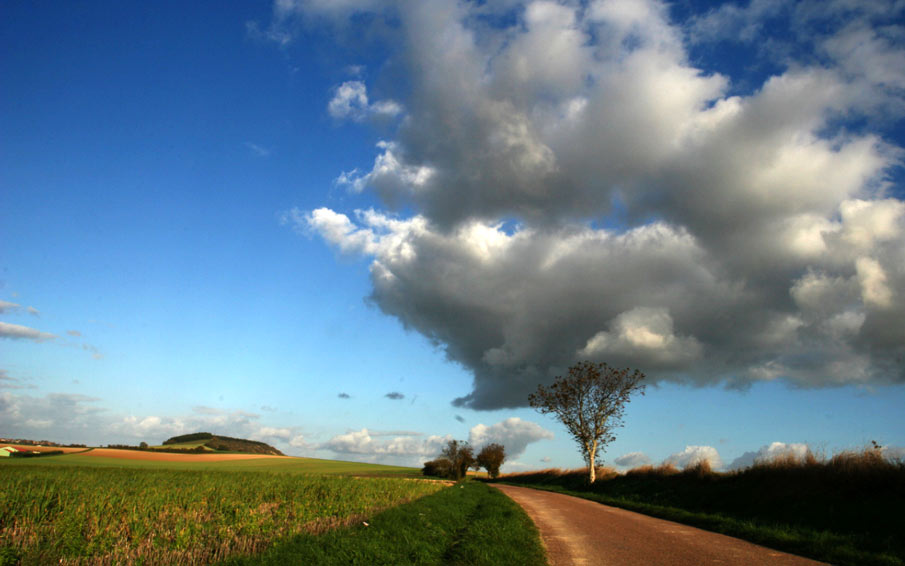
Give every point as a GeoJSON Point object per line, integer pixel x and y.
{"type": "Point", "coordinates": [394, 395]}
{"type": "Point", "coordinates": [350, 101]}
{"type": "Point", "coordinates": [258, 150]}
{"type": "Point", "coordinates": [6, 306]}
{"type": "Point", "coordinates": [460, 418]}
{"type": "Point", "coordinates": [268, 408]}
{"type": "Point", "coordinates": [770, 452]}
{"type": "Point", "coordinates": [95, 353]}
{"type": "Point", "coordinates": [344, 396]}
{"type": "Point", "coordinates": [632, 460]}
{"type": "Point", "coordinates": [74, 333]}
{"type": "Point", "coordinates": [18, 332]}
{"type": "Point", "coordinates": [693, 455]}
{"type": "Point", "coordinates": [546, 459]}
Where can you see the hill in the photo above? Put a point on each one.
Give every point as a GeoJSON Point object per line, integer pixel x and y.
{"type": "Point", "coordinates": [207, 441]}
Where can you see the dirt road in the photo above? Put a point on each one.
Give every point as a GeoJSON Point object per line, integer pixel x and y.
{"type": "Point", "coordinates": [581, 532]}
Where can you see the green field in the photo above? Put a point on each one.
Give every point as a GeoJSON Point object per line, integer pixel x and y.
{"type": "Point", "coordinates": [144, 512]}
{"type": "Point", "coordinates": [83, 509]}
{"type": "Point", "coordinates": [283, 465]}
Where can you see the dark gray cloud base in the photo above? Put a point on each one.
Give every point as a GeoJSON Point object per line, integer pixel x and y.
{"type": "Point", "coordinates": [662, 220]}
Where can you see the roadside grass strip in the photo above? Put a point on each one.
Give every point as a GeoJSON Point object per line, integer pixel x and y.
{"type": "Point", "coordinates": [71, 515]}
{"type": "Point", "coordinates": [469, 524]}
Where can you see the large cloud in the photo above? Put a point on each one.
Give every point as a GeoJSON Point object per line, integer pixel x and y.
{"type": "Point", "coordinates": [582, 190]}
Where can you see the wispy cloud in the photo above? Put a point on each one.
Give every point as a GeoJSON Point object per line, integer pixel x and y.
{"type": "Point", "coordinates": [18, 332]}
{"type": "Point", "coordinates": [9, 382]}
{"type": "Point", "coordinates": [8, 307]}
{"type": "Point", "coordinates": [258, 150]}
{"type": "Point", "coordinates": [395, 395]}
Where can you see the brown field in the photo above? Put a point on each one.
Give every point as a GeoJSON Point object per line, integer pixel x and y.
{"type": "Point", "coordinates": [171, 457]}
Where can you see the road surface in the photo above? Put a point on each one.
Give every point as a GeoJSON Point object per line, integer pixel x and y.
{"type": "Point", "coordinates": [580, 532]}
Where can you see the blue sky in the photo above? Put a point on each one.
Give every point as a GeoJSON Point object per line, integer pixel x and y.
{"type": "Point", "coordinates": [223, 219]}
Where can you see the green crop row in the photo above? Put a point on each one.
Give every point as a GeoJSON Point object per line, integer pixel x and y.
{"type": "Point", "coordinates": [119, 516]}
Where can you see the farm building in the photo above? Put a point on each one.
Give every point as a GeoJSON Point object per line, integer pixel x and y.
{"type": "Point", "coordinates": [6, 451]}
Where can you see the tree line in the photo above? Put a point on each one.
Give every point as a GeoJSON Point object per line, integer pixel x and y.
{"type": "Point", "coordinates": [459, 456]}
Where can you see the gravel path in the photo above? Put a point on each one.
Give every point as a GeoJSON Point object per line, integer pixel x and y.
{"type": "Point", "coordinates": [580, 532]}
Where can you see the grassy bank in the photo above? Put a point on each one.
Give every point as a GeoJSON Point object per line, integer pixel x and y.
{"type": "Point", "coordinates": [74, 515]}
{"type": "Point", "coordinates": [470, 523]}
{"type": "Point", "coordinates": [846, 510]}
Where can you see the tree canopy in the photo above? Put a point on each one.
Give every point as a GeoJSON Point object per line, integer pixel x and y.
{"type": "Point", "coordinates": [491, 457]}
{"type": "Point", "coordinates": [590, 402]}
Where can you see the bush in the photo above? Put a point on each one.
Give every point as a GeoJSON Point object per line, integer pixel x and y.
{"type": "Point", "coordinates": [439, 468]}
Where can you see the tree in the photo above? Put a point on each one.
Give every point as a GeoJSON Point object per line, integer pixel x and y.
{"type": "Point", "coordinates": [460, 456]}
{"type": "Point", "coordinates": [491, 457]}
{"type": "Point", "coordinates": [590, 401]}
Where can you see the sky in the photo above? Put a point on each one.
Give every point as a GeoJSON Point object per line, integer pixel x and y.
{"type": "Point", "coordinates": [358, 229]}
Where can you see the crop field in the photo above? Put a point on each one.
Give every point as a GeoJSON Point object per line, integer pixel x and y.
{"type": "Point", "coordinates": [146, 512]}
{"type": "Point", "coordinates": [134, 459]}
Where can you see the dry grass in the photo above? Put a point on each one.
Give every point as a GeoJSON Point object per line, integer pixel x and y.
{"type": "Point", "coordinates": [663, 470]}
{"type": "Point", "coordinates": [555, 475]}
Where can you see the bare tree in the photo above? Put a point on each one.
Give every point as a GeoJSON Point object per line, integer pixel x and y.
{"type": "Point", "coordinates": [590, 401]}
{"type": "Point", "coordinates": [491, 457]}
{"type": "Point", "coordinates": [460, 456]}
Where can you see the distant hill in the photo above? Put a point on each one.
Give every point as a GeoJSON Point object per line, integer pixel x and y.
{"type": "Point", "coordinates": [208, 441]}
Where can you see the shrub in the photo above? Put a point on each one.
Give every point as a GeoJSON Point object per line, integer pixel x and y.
{"type": "Point", "coordinates": [439, 468]}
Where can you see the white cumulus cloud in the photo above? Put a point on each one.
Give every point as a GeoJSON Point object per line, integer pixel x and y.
{"type": "Point", "coordinates": [693, 455]}
{"type": "Point", "coordinates": [513, 433]}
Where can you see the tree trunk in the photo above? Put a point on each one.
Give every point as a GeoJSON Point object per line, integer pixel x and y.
{"type": "Point", "coordinates": [592, 471]}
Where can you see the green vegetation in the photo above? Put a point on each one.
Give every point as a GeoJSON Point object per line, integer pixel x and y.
{"type": "Point", "coordinates": [470, 523]}
{"type": "Point", "coordinates": [846, 510]}
{"type": "Point", "coordinates": [200, 441]}
{"type": "Point", "coordinates": [201, 437]}
{"type": "Point", "coordinates": [282, 465]}
{"type": "Point", "coordinates": [170, 516]}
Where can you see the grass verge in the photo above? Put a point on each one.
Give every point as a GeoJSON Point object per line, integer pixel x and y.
{"type": "Point", "coordinates": [469, 523]}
